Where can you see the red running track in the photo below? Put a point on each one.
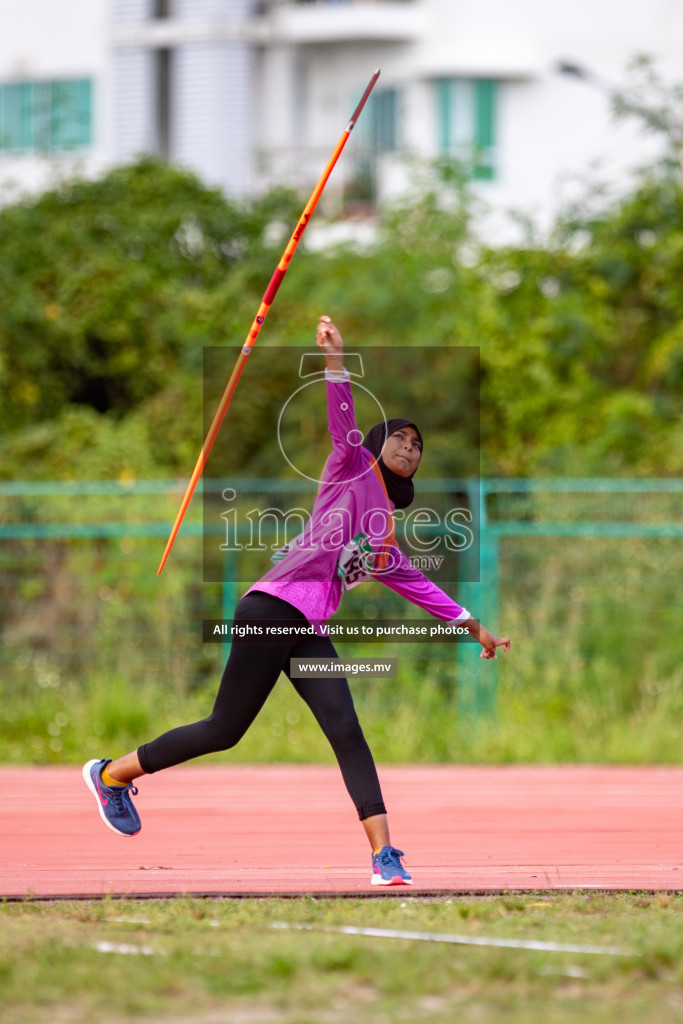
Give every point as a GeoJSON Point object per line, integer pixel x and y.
{"type": "Point", "coordinates": [241, 830]}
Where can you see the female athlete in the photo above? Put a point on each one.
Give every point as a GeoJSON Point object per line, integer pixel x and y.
{"type": "Point", "coordinates": [349, 537]}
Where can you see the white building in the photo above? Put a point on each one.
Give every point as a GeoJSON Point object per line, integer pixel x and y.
{"type": "Point", "coordinates": [247, 92]}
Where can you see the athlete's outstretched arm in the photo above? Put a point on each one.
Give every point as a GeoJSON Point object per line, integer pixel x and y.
{"type": "Point", "coordinates": [411, 583]}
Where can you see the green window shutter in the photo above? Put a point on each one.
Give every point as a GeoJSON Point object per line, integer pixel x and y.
{"type": "Point", "coordinates": [59, 114]}
{"type": "Point", "coordinates": [44, 117]}
{"type": "Point", "coordinates": [485, 128]}
{"type": "Point", "coordinates": [27, 125]}
{"type": "Point", "coordinates": [384, 120]}
{"type": "Point", "coordinates": [42, 103]}
{"type": "Point", "coordinates": [444, 104]}
{"type": "Point", "coordinates": [16, 117]}
{"type": "Point", "coordinates": [466, 113]}
{"type": "Point", "coordinates": [72, 114]}
{"type": "Point", "coordinates": [85, 117]}
{"type": "Point", "coordinates": [485, 97]}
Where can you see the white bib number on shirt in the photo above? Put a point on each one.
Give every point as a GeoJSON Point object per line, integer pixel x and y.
{"type": "Point", "coordinates": [355, 561]}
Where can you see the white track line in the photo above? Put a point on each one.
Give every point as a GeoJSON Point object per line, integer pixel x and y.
{"type": "Point", "coordinates": [462, 940]}
{"type": "Point", "coordinates": [123, 948]}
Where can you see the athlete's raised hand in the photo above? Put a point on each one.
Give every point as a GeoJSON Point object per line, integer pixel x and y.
{"type": "Point", "coordinates": [329, 340]}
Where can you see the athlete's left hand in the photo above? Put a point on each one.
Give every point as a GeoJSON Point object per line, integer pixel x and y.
{"type": "Point", "coordinates": [487, 640]}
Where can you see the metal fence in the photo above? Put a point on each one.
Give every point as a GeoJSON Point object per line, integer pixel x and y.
{"type": "Point", "coordinates": [80, 596]}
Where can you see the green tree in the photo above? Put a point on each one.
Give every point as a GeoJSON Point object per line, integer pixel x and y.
{"type": "Point", "coordinates": [105, 286]}
{"type": "Point", "coordinates": [113, 288]}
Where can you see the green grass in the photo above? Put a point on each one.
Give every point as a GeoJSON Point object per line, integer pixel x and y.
{"type": "Point", "coordinates": [200, 961]}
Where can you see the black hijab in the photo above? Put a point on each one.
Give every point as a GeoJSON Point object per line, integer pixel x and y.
{"type": "Point", "coordinates": [399, 488]}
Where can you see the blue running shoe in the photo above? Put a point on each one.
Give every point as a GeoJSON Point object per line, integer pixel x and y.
{"type": "Point", "coordinates": [387, 868]}
{"type": "Point", "coordinates": [113, 802]}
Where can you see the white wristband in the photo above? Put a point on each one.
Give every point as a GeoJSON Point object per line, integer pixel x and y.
{"type": "Point", "coordinates": [337, 375]}
{"type": "Point", "coordinates": [462, 617]}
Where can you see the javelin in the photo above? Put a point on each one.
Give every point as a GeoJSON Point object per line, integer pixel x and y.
{"type": "Point", "coordinates": [266, 303]}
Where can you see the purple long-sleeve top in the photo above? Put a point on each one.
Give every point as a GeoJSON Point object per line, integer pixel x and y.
{"type": "Point", "coordinates": [349, 536]}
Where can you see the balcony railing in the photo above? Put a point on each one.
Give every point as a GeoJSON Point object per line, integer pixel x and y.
{"type": "Point", "coordinates": [330, 21]}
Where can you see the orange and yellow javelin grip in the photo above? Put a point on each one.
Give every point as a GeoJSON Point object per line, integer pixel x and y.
{"type": "Point", "coordinates": [266, 303]}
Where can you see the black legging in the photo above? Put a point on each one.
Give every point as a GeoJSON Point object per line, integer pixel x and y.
{"type": "Point", "coordinates": [250, 674]}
